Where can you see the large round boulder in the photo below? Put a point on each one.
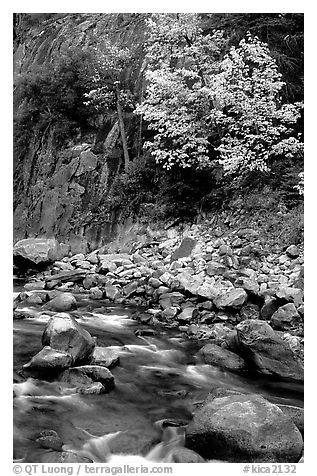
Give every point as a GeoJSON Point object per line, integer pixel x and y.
{"type": "Point", "coordinates": [63, 333]}
{"type": "Point", "coordinates": [266, 352]}
{"type": "Point", "coordinates": [244, 428]}
{"type": "Point", "coordinates": [62, 302]}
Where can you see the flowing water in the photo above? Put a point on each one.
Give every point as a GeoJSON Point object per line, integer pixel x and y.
{"type": "Point", "coordinates": [158, 378]}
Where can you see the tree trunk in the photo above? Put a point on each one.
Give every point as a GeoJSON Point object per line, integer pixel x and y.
{"type": "Point", "coordinates": [122, 130]}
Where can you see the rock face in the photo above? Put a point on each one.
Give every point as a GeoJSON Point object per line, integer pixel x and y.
{"type": "Point", "coordinates": [266, 352]}
{"type": "Point", "coordinates": [36, 251]}
{"type": "Point", "coordinates": [244, 428]}
{"type": "Point", "coordinates": [48, 361]}
{"type": "Point", "coordinates": [214, 355]}
{"type": "Point", "coordinates": [63, 302]}
{"type": "Point", "coordinates": [65, 334]}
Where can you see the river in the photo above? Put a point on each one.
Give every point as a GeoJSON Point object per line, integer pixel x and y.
{"type": "Point", "coordinates": [158, 378]}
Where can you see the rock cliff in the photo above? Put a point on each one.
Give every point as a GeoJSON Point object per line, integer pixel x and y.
{"type": "Point", "coordinates": [59, 186]}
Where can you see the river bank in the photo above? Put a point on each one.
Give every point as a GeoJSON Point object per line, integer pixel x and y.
{"type": "Point", "coordinates": [239, 302]}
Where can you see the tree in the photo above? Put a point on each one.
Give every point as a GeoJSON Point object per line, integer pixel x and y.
{"type": "Point", "coordinates": [202, 106]}
{"type": "Point", "coordinates": [255, 124]}
{"type": "Point", "coordinates": [110, 91]}
{"type": "Point", "coordinates": [177, 99]}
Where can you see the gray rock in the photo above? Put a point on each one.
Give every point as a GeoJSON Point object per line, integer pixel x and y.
{"type": "Point", "coordinates": [86, 375]}
{"type": "Point", "coordinates": [112, 292]}
{"type": "Point", "coordinates": [285, 317]}
{"type": "Point", "coordinates": [234, 298]}
{"type": "Point", "coordinates": [105, 357]}
{"type": "Point", "coordinates": [292, 251]}
{"type": "Point", "coordinates": [155, 283]}
{"type": "Point", "coordinates": [269, 307]}
{"type": "Point", "coordinates": [173, 299]}
{"type": "Point", "coordinates": [296, 414]}
{"type": "Point", "coordinates": [50, 439]}
{"type": "Point", "coordinates": [48, 360]}
{"type": "Point", "coordinates": [225, 250]}
{"type": "Point", "coordinates": [96, 293]}
{"type": "Point", "coordinates": [170, 312]}
{"type": "Point", "coordinates": [90, 281]}
{"type": "Point", "coordinates": [249, 285]}
{"type": "Point", "coordinates": [35, 250]}
{"type": "Point", "coordinates": [214, 268]}
{"type": "Point", "coordinates": [63, 302]}
{"type": "Point", "coordinates": [214, 355]}
{"type": "Point", "coordinates": [63, 333]}
{"type": "Point", "coordinates": [290, 294]}
{"type": "Point", "coordinates": [185, 249]}
{"type": "Point", "coordinates": [33, 286]}
{"type": "Point", "coordinates": [209, 291]}
{"type": "Point", "coordinates": [266, 352]}
{"type": "Point", "coordinates": [185, 455]}
{"type": "Point", "coordinates": [130, 288]}
{"type": "Point", "coordinates": [35, 299]}
{"type": "Point", "coordinates": [244, 428]}
{"type": "Point", "coordinates": [187, 314]}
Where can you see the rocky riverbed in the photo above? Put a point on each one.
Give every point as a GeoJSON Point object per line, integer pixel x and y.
{"type": "Point", "coordinates": [238, 301]}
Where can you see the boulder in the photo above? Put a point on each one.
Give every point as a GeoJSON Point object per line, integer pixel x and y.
{"type": "Point", "coordinates": [34, 286]}
{"type": "Point", "coordinates": [285, 317]}
{"type": "Point", "coordinates": [105, 357]}
{"type": "Point", "coordinates": [112, 292]}
{"type": "Point", "coordinates": [173, 299]}
{"type": "Point", "coordinates": [234, 299]}
{"type": "Point", "coordinates": [296, 414]}
{"type": "Point", "coordinates": [214, 355]}
{"type": "Point", "coordinates": [244, 428]}
{"type": "Point", "coordinates": [214, 268]}
{"type": "Point", "coordinates": [90, 281]}
{"type": "Point", "coordinates": [170, 312]}
{"type": "Point", "coordinates": [209, 291]}
{"type": "Point", "coordinates": [63, 333]}
{"type": "Point", "coordinates": [48, 361]}
{"type": "Point", "coordinates": [225, 250]}
{"type": "Point", "coordinates": [292, 251]}
{"type": "Point", "coordinates": [50, 439]}
{"type": "Point", "coordinates": [155, 283]}
{"type": "Point", "coordinates": [189, 283]}
{"type": "Point", "coordinates": [185, 455]}
{"type": "Point", "coordinates": [249, 285]}
{"type": "Point", "coordinates": [269, 307]}
{"type": "Point", "coordinates": [61, 303]}
{"type": "Point", "coordinates": [185, 249]}
{"type": "Point", "coordinates": [289, 294]}
{"type": "Point", "coordinates": [96, 293]}
{"type": "Point", "coordinates": [130, 288]}
{"type": "Point", "coordinates": [266, 352]}
{"type": "Point", "coordinates": [86, 375]}
{"type": "Point", "coordinates": [187, 314]}
{"type": "Point", "coordinates": [34, 251]}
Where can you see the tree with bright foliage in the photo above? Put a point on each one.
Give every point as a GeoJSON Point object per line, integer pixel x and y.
{"type": "Point", "coordinates": [201, 105]}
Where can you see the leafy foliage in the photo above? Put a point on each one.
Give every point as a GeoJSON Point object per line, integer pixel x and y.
{"type": "Point", "coordinates": [194, 96]}
{"type": "Point", "coordinates": [53, 96]}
